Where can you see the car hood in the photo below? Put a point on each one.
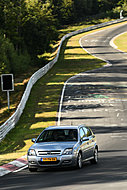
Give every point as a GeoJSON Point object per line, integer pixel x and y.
{"type": "Point", "coordinates": [53, 145]}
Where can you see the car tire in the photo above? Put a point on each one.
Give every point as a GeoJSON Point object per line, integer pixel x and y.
{"type": "Point", "coordinates": [79, 161]}
{"type": "Point", "coordinates": [32, 169]}
{"type": "Point", "coordinates": [95, 159]}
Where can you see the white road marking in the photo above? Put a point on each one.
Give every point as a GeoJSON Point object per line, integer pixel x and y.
{"type": "Point", "coordinates": [94, 40]}
{"type": "Point", "coordinates": [118, 114]}
{"type": "Point", "coordinates": [116, 136]}
{"type": "Point", "coordinates": [20, 169]}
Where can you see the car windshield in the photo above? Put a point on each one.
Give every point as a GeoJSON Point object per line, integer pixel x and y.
{"type": "Point", "coordinates": [58, 135]}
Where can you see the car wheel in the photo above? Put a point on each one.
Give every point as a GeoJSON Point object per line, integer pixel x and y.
{"type": "Point", "coordinates": [32, 169]}
{"type": "Point", "coordinates": [95, 159]}
{"type": "Point", "coordinates": [79, 161]}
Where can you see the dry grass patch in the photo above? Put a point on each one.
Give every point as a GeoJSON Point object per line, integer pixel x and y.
{"type": "Point", "coordinates": [121, 42]}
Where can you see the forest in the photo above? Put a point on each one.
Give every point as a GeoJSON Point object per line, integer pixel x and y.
{"type": "Point", "coordinates": [29, 27]}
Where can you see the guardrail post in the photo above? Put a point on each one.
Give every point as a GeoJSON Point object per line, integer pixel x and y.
{"type": "Point", "coordinates": [121, 14]}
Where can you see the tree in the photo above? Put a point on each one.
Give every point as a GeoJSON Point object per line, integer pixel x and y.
{"type": "Point", "coordinates": [39, 28]}
{"type": "Point", "coordinates": [2, 16]}
{"type": "Point", "coordinates": [14, 12]}
{"type": "Point", "coordinates": [106, 5]}
{"type": "Point", "coordinates": [6, 54]}
{"type": "Point", "coordinates": [66, 12]}
{"type": "Point", "coordinates": [85, 7]}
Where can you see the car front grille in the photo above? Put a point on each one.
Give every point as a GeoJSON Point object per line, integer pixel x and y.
{"type": "Point", "coordinates": [51, 152]}
{"type": "Point", "coordinates": [49, 163]}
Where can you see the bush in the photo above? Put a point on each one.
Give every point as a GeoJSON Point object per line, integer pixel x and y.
{"type": "Point", "coordinates": [116, 12]}
{"type": "Point", "coordinates": [10, 61]}
{"type": "Point", "coordinates": [6, 54]}
{"type": "Point", "coordinates": [20, 63]}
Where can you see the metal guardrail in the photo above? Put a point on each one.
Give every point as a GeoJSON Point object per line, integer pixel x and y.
{"type": "Point", "coordinates": [11, 122]}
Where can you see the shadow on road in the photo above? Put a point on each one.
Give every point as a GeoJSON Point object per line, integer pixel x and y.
{"type": "Point", "coordinates": [111, 168]}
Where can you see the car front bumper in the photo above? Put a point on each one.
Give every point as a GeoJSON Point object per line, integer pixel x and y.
{"type": "Point", "coordinates": [61, 161]}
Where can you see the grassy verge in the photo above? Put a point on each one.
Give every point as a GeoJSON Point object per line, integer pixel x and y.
{"type": "Point", "coordinates": [20, 83]}
{"type": "Point", "coordinates": [41, 108]}
{"type": "Point", "coordinates": [121, 42]}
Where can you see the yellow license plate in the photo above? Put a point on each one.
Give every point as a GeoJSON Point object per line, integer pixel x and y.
{"type": "Point", "coordinates": [48, 159]}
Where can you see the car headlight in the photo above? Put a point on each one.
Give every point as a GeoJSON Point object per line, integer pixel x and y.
{"type": "Point", "coordinates": [68, 151]}
{"type": "Point", "coordinates": [31, 152]}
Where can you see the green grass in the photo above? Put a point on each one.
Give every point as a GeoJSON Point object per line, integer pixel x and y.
{"type": "Point", "coordinates": [121, 42]}
{"type": "Point", "coordinates": [41, 108]}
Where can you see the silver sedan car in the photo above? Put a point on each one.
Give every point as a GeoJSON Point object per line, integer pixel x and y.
{"type": "Point", "coordinates": [63, 146]}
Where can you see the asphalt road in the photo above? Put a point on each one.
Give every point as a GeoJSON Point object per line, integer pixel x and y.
{"type": "Point", "coordinates": [99, 100]}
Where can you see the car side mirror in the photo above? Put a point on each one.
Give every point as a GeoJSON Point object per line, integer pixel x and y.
{"type": "Point", "coordinates": [33, 140]}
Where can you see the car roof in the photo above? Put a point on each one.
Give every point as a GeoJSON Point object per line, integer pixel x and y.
{"type": "Point", "coordinates": [64, 127]}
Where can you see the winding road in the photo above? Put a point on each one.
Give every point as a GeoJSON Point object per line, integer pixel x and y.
{"type": "Point", "coordinates": [98, 99]}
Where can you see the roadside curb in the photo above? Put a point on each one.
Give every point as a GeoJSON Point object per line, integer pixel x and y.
{"type": "Point", "coordinates": [16, 165]}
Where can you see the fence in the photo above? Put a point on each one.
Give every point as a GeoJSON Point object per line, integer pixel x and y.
{"type": "Point", "coordinates": [11, 122]}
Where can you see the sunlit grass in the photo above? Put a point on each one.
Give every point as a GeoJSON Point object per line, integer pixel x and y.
{"type": "Point", "coordinates": [45, 115]}
{"type": "Point", "coordinates": [40, 124]}
{"type": "Point", "coordinates": [121, 42]}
